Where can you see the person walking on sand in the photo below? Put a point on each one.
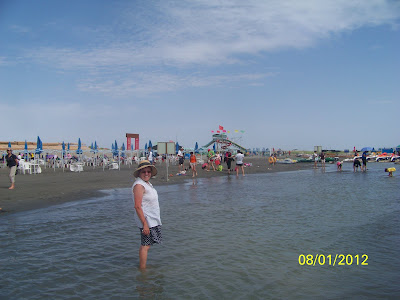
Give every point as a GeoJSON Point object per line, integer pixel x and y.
{"type": "Point", "coordinates": [12, 163]}
{"type": "Point", "coordinates": [147, 209]}
{"type": "Point", "coordinates": [228, 161]}
{"type": "Point", "coordinates": [211, 157]}
{"type": "Point", "coordinates": [239, 162]}
{"type": "Point", "coordinates": [150, 156]}
{"type": "Point", "coordinates": [181, 158]}
{"type": "Point", "coordinates": [193, 162]}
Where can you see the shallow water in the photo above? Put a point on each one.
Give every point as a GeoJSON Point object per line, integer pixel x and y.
{"type": "Point", "coordinates": [224, 237]}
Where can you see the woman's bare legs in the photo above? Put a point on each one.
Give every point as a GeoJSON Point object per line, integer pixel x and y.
{"type": "Point", "coordinates": [143, 250]}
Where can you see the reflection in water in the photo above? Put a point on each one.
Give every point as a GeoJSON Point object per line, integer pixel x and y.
{"type": "Point", "coordinates": [149, 284]}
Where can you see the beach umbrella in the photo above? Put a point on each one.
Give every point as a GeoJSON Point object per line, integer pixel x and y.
{"type": "Point", "coordinates": [177, 147]}
{"type": "Point", "coordinates": [9, 144]}
{"type": "Point", "coordinates": [131, 147]}
{"type": "Point", "coordinates": [63, 148]}
{"type": "Point", "coordinates": [123, 150]}
{"type": "Point", "coordinates": [214, 147]}
{"type": "Point", "coordinates": [196, 148]}
{"type": "Point", "coordinates": [38, 149]}
{"type": "Point", "coordinates": [150, 144]}
{"type": "Point", "coordinates": [115, 152]}
{"type": "Point", "coordinates": [91, 146]}
{"type": "Point", "coordinates": [26, 150]}
{"type": "Point", "coordinates": [145, 147]}
{"type": "Point", "coordinates": [366, 149]}
{"type": "Point", "coordinates": [95, 147]}
{"type": "Point", "coordinates": [79, 150]}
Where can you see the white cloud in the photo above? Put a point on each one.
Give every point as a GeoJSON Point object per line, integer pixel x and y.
{"type": "Point", "coordinates": [145, 49]}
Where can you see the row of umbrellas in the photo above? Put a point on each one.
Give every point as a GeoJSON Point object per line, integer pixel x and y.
{"type": "Point", "coordinates": [94, 147]}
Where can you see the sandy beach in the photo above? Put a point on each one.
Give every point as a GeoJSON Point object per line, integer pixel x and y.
{"type": "Point", "coordinates": [56, 187]}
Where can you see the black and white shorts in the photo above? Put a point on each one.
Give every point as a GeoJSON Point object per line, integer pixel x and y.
{"type": "Point", "coordinates": [154, 237]}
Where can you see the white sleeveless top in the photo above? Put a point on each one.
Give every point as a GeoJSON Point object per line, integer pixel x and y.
{"type": "Point", "coordinates": [150, 206]}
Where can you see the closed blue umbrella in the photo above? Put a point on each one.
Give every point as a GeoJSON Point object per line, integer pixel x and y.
{"type": "Point", "coordinates": [79, 150]}
{"type": "Point", "coordinates": [26, 150]}
{"type": "Point", "coordinates": [214, 147]}
{"type": "Point", "coordinates": [123, 150]}
{"type": "Point", "coordinates": [145, 147]}
{"type": "Point", "coordinates": [196, 148]}
{"type": "Point", "coordinates": [38, 149]}
{"type": "Point", "coordinates": [131, 147]}
{"type": "Point", "coordinates": [9, 144]}
{"type": "Point", "coordinates": [150, 144]}
{"type": "Point", "coordinates": [177, 147]}
{"type": "Point", "coordinates": [63, 148]}
{"type": "Point", "coordinates": [95, 147]}
{"type": "Point", "coordinates": [115, 153]}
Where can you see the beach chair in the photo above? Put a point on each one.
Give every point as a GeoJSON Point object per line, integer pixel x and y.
{"type": "Point", "coordinates": [113, 166]}
{"type": "Point", "coordinates": [25, 167]}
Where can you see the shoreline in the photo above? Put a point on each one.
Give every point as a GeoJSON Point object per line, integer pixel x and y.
{"type": "Point", "coordinates": [57, 187]}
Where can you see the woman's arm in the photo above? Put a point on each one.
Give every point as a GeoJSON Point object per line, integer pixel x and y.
{"type": "Point", "coordinates": [138, 192]}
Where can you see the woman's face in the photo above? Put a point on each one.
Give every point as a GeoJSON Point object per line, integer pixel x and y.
{"type": "Point", "coordinates": [145, 174]}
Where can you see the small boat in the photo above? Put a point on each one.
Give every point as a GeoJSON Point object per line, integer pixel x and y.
{"type": "Point", "coordinates": [382, 156]}
{"type": "Point", "coordinates": [286, 161]}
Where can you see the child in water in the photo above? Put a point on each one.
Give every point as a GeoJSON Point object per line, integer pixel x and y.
{"type": "Point", "coordinates": [390, 171]}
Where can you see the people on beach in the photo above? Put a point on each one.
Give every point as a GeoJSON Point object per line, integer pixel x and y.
{"type": "Point", "coordinates": [390, 171]}
{"type": "Point", "coordinates": [356, 164]}
{"type": "Point", "coordinates": [150, 155]}
{"type": "Point", "coordinates": [12, 163]}
{"type": "Point", "coordinates": [147, 209]}
{"type": "Point", "coordinates": [315, 155]}
{"type": "Point", "coordinates": [239, 162]}
{"type": "Point", "coordinates": [193, 162]}
{"type": "Point", "coordinates": [322, 158]}
{"type": "Point", "coordinates": [364, 161]}
{"type": "Point", "coordinates": [228, 160]}
{"type": "Point", "coordinates": [339, 165]}
{"type": "Point", "coordinates": [210, 156]}
{"type": "Point", "coordinates": [181, 158]}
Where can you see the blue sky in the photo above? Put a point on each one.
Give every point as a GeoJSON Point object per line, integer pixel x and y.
{"type": "Point", "coordinates": [290, 74]}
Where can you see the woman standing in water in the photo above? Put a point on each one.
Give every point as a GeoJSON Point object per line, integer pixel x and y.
{"type": "Point", "coordinates": [147, 209]}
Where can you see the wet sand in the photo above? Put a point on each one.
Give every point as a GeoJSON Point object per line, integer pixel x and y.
{"type": "Point", "coordinates": [57, 187]}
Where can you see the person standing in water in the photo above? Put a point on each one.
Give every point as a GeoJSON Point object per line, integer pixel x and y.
{"type": "Point", "coordinates": [147, 209]}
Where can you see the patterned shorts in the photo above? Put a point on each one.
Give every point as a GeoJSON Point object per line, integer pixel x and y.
{"type": "Point", "coordinates": [154, 237]}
